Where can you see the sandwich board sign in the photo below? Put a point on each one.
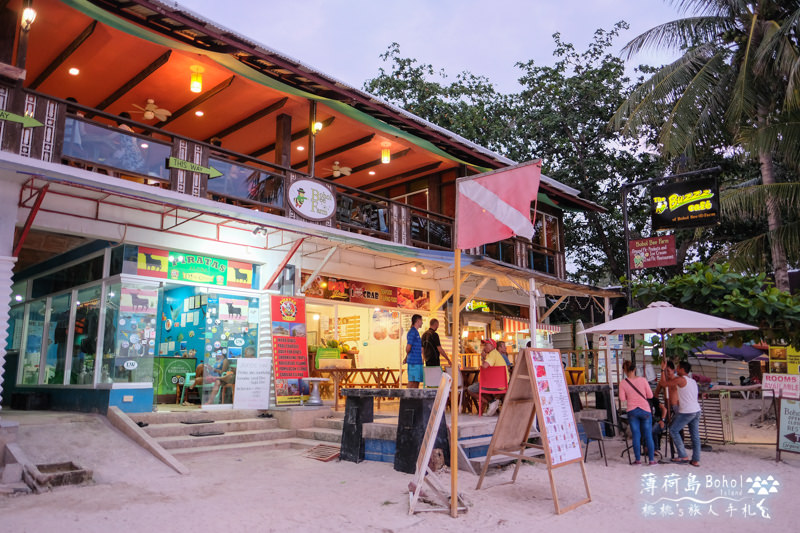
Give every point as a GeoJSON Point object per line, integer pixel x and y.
{"type": "Point", "coordinates": [538, 388]}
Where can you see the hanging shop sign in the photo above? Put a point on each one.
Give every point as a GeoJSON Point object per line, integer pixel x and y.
{"type": "Point", "coordinates": [289, 349]}
{"type": "Point", "coordinates": [778, 359]}
{"type": "Point", "coordinates": [311, 200]}
{"type": "Point", "coordinates": [652, 252]}
{"type": "Point", "coordinates": [687, 204]}
{"type": "Point", "coordinates": [477, 305]}
{"type": "Point", "coordinates": [344, 290]}
{"type": "Point", "coordinates": [179, 266]}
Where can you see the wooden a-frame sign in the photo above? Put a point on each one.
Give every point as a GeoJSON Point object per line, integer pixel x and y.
{"type": "Point", "coordinates": [538, 388]}
{"type": "Point", "coordinates": [423, 473]}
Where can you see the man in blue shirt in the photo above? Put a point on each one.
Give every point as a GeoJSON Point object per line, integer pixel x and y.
{"type": "Point", "coordinates": [414, 353]}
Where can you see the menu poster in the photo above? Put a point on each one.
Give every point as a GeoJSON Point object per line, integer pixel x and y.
{"type": "Point", "coordinates": [558, 418]}
{"type": "Point", "coordinates": [289, 349]}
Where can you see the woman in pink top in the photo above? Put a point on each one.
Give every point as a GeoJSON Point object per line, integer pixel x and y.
{"type": "Point", "coordinates": [635, 391]}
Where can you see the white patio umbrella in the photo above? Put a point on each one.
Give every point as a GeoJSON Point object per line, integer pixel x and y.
{"type": "Point", "coordinates": [663, 318]}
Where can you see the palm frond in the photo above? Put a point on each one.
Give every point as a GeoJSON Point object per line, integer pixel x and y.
{"type": "Point", "coordinates": [743, 97]}
{"type": "Point", "coordinates": [719, 8]}
{"type": "Point", "coordinates": [751, 255]}
{"type": "Point", "coordinates": [750, 203]}
{"type": "Point", "coordinates": [678, 34]}
{"type": "Point", "coordinates": [780, 137]}
{"type": "Point", "coordinates": [778, 52]}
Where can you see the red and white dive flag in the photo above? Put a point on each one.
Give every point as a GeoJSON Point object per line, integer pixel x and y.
{"type": "Point", "coordinates": [496, 206]}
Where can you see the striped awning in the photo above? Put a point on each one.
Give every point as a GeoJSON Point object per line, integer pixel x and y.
{"type": "Point", "coordinates": [513, 325]}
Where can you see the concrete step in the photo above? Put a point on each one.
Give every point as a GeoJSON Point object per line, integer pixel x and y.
{"type": "Point", "coordinates": [239, 424]}
{"type": "Point", "coordinates": [172, 417]}
{"type": "Point", "coordinates": [182, 441]}
{"type": "Point", "coordinates": [276, 444]}
{"type": "Point", "coordinates": [329, 423]}
{"type": "Point", "coordinates": [321, 434]}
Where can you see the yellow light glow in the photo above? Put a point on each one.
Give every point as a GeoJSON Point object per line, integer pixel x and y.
{"type": "Point", "coordinates": [465, 334]}
{"type": "Point", "coordinates": [316, 316]}
{"type": "Point", "coordinates": [496, 336]}
{"type": "Point", "coordinates": [386, 156]}
{"type": "Point", "coordinates": [371, 172]}
{"type": "Point", "coordinates": [196, 84]}
{"type": "Point", "coordinates": [74, 71]}
{"type": "Point", "coordinates": [316, 127]}
{"type": "Point", "coordinates": [28, 16]}
{"type": "Point", "coordinates": [199, 113]}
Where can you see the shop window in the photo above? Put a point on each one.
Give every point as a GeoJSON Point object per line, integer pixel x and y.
{"type": "Point", "coordinates": [56, 341]}
{"type": "Point", "coordinates": [130, 326]}
{"type": "Point", "coordinates": [16, 318]}
{"type": "Point", "coordinates": [32, 344]}
{"type": "Point", "coordinates": [80, 274]}
{"type": "Point", "coordinates": [84, 336]}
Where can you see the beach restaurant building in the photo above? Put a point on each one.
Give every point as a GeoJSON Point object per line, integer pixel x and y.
{"type": "Point", "coordinates": [175, 193]}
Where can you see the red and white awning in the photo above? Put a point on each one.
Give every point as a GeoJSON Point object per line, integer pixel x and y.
{"type": "Point", "coordinates": [514, 325]}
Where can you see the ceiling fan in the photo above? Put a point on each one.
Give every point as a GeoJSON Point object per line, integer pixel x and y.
{"type": "Point", "coordinates": [338, 170]}
{"type": "Point", "coordinates": [151, 111]}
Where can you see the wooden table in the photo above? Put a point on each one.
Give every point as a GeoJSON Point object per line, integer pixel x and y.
{"type": "Point", "coordinates": [364, 378]}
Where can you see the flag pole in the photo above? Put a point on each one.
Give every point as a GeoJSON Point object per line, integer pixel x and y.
{"type": "Point", "coordinates": [456, 354]}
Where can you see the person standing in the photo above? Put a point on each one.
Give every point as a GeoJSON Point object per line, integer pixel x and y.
{"type": "Point", "coordinates": [635, 391]}
{"type": "Point", "coordinates": [414, 353]}
{"type": "Point", "coordinates": [432, 346]}
{"type": "Point", "coordinates": [688, 413]}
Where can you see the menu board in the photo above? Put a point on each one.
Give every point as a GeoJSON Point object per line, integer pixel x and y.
{"type": "Point", "coordinates": [289, 351]}
{"type": "Point", "coordinates": [558, 418]}
{"type": "Point", "coordinates": [252, 384]}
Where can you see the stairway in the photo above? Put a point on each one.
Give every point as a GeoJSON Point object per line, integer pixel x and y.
{"type": "Point", "coordinates": [224, 431]}
{"type": "Point", "coordinates": [327, 430]}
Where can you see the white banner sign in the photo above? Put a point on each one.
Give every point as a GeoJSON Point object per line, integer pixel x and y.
{"type": "Point", "coordinates": [252, 384]}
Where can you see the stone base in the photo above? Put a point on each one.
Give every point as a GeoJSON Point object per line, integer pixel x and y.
{"type": "Point", "coordinates": [8, 433]}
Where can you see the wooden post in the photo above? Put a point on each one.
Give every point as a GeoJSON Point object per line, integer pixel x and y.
{"type": "Point", "coordinates": [534, 311]}
{"type": "Point", "coordinates": [454, 368]}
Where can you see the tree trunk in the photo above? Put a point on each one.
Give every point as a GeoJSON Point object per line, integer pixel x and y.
{"type": "Point", "coordinates": [779, 264]}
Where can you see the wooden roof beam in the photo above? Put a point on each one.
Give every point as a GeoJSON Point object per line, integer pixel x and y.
{"type": "Point", "coordinates": [197, 101]}
{"type": "Point", "coordinates": [398, 177]}
{"type": "Point", "coordinates": [64, 55]}
{"type": "Point", "coordinates": [373, 163]}
{"type": "Point", "coordinates": [295, 136]}
{"type": "Point", "coordinates": [134, 81]}
{"type": "Point", "coordinates": [337, 150]}
{"type": "Point", "coordinates": [249, 120]}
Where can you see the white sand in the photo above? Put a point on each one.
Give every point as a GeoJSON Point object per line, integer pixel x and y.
{"type": "Point", "coordinates": [282, 490]}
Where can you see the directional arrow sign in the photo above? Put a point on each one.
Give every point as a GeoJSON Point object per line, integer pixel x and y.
{"type": "Point", "coordinates": [794, 437]}
{"type": "Point", "coordinates": [174, 162]}
{"type": "Point", "coordinates": [25, 120]}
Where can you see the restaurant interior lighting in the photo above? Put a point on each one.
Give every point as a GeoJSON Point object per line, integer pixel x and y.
{"type": "Point", "coordinates": [18, 297]}
{"type": "Point", "coordinates": [74, 71]}
{"type": "Point", "coordinates": [371, 172]}
{"type": "Point", "coordinates": [28, 16]}
{"type": "Point", "coordinates": [465, 334]}
{"type": "Point", "coordinates": [199, 113]}
{"type": "Point", "coordinates": [419, 267]}
{"type": "Point", "coordinates": [496, 335]}
{"type": "Point", "coordinates": [301, 148]}
{"type": "Point", "coordinates": [386, 154]}
{"type": "Point", "coordinates": [196, 83]}
{"type": "Point", "coordinates": [316, 127]}
{"type": "Point", "coordinates": [316, 316]}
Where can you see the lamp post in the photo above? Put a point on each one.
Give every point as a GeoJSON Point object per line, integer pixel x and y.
{"type": "Point", "coordinates": [26, 19]}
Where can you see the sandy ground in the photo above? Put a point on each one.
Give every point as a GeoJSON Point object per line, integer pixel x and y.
{"type": "Point", "coordinates": [282, 490]}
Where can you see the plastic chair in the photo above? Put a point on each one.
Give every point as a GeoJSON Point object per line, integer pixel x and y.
{"type": "Point", "coordinates": [594, 432]}
{"type": "Point", "coordinates": [492, 380]}
{"type": "Point", "coordinates": [432, 375]}
{"type": "Point", "coordinates": [189, 379]}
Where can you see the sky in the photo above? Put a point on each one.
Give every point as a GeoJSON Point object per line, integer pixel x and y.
{"type": "Point", "coordinates": [344, 38]}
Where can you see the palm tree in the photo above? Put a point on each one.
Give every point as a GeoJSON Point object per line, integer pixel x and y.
{"type": "Point", "coordinates": [737, 82]}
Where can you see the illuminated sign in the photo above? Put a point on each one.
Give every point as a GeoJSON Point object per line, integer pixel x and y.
{"type": "Point", "coordinates": [179, 266]}
{"type": "Point", "coordinates": [477, 305]}
{"type": "Point", "coordinates": [686, 204]}
{"type": "Point", "coordinates": [312, 200]}
{"type": "Point", "coordinates": [713, 496]}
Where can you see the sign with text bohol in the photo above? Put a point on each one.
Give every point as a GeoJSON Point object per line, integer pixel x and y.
{"type": "Point", "coordinates": [652, 252]}
{"type": "Point", "coordinates": [289, 349]}
{"type": "Point", "coordinates": [686, 204]}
